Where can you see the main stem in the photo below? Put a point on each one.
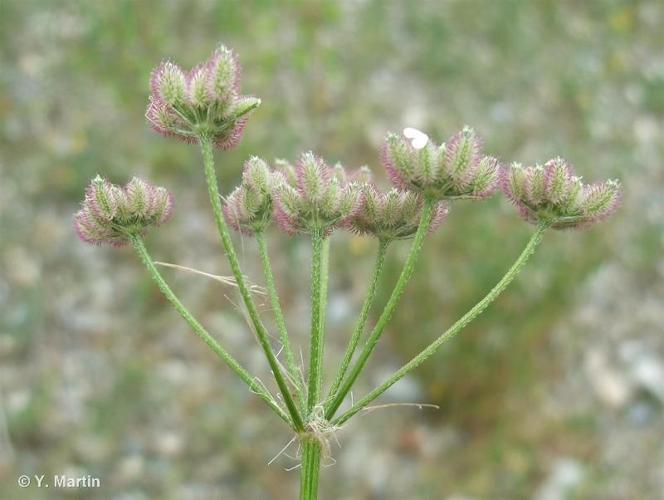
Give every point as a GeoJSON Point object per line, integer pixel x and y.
{"type": "Point", "coordinates": [406, 273]}
{"type": "Point", "coordinates": [199, 330]}
{"type": "Point", "coordinates": [278, 313]}
{"type": "Point", "coordinates": [362, 320]}
{"type": "Point", "coordinates": [227, 242]}
{"type": "Point", "coordinates": [518, 265]}
{"type": "Point", "coordinates": [310, 473]}
{"type": "Point", "coordinates": [318, 295]}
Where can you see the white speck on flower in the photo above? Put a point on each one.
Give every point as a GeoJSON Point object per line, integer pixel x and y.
{"type": "Point", "coordinates": [418, 139]}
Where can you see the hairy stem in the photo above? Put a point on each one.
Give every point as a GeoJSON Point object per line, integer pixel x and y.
{"type": "Point", "coordinates": [278, 314]}
{"type": "Point", "coordinates": [199, 330]}
{"type": "Point", "coordinates": [518, 265]}
{"type": "Point", "coordinates": [406, 273]}
{"type": "Point", "coordinates": [310, 473]}
{"type": "Point", "coordinates": [362, 320]}
{"type": "Point", "coordinates": [227, 242]}
{"type": "Point", "coordinates": [317, 316]}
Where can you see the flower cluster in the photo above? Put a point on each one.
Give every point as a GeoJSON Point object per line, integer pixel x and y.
{"type": "Point", "coordinates": [392, 215]}
{"type": "Point", "coordinates": [316, 197]}
{"type": "Point", "coordinates": [203, 102]}
{"type": "Point", "coordinates": [456, 169]}
{"type": "Point", "coordinates": [551, 193]}
{"type": "Point", "coordinates": [111, 214]}
{"type": "Point", "coordinates": [248, 208]}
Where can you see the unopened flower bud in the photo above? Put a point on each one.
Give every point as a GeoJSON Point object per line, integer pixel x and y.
{"type": "Point", "coordinates": [450, 171]}
{"type": "Point", "coordinates": [249, 207]}
{"type": "Point", "coordinates": [551, 193]}
{"type": "Point", "coordinates": [392, 215]}
{"type": "Point", "coordinates": [203, 102]}
{"type": "Point", "coordinates": [110, 214]}
{"type": "Point", "coordinates": [318, 198]}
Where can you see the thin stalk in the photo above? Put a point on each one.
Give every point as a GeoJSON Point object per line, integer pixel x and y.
{"type": "Point", "coordinates": [406, 273]}
{"type": "Point", "coordinates": [364, 316]}
{"type": "Point", "coordinates": [324, 279]}
{"type": "Point", "coordinates": [278, 313]}
{"type": "Point", "coordinates": [317, 315]}
{"type": "Point", "coordinates": [199, 330]}
{"type": "Point", "coordinates": [310, 473]}
{"type": "Point", "coordinates": [513, 271]}
{"type": "Point", "coordinates": [227, 242]}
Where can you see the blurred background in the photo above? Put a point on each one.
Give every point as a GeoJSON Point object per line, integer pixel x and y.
{"type": "Point", "coordinates": [556, 392]}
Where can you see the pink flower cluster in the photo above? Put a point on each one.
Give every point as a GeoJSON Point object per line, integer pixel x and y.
{"type": "Point", "coordinates": [450, 171]}
{"type": "Point", "coordinates": [552, 193]}
{"type": "Point", "coordinates": [392, 215]}
{"type": "Point", "coordinates": [202, 102]}
{"type": "Point", "coordinates": [315, 196]}
{"type": "Point", "coordinates": [110, 214]}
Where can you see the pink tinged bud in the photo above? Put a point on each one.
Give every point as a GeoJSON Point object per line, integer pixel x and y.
{"type": "Point", "coordinates": [535, 185]}
{"type": "Point", "coordinates": [601, 200]}
{"type": "Point", "coordinates": [223, 71]}
{"type": "Point", "coordinates": [462, 156]}
{"type": "Point", "coordinates": [168, 84]}
{"type": "Point", "coordinates": [288, 210]}
{"type": "Point", "coordinates": [257, 175]}
{"type": "Point", "coordinates": [557, 178]}
{"type": "Point", "coordinates": [234, 211]}
{"type": "Point", "coordinates": [440, 213]}
{"type": "Point", "coordinates": [486, 178]}
{"type": "Point", "coordinates": [249, 207]}
{"type": "Point", "coordinates": [398, 159]}
{"type": "Point", "coordinates": [100, 199]}
{"type": "Point", "coordinates": [552, 194]}
{"type": "Point", "coordinates": [228, 139]}
{"type": "Point", "coordinates": [198, 94]}
{"type": "Point", "coordinates": [139, 198]}
{"type": "Point", "coordinates": [110, 214]}
{"type": "Point", "coordinates": [162, 202]}
{"type": "Point", "coordinates": [313, 176]}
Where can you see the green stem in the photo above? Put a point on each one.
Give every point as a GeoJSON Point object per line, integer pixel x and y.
{"type": "Point", "coordinates": [406, 273]}
{"type": "Point", "coordinates": [202, 332]}
{"type": "Point", "coordinates": [317, 315]}
{"type": "Point", "coordinates": [261, 332]}
{"type": "Point", "coordinates": [278, 313]}
{"type": "Point", "coordinates": [310, 473]}
{"type": "Point", "coordinates": [324, 280]}
{"type": "Point", "coordinates": [518, 265]}
{"type": "Point", "coordinates": [362, 320]}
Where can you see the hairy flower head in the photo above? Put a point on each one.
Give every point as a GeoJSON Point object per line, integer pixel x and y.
{"type": "Point", "coordinates": [111, 214]}
{"type": "Point", "coordinates": [552, 193]}
{"type": "Point", "coordinates": [315, 197]}
{"type": "Point", "coordinates": [453, 170]}
{"type": "Point", "coordinates": [392, 215]}
{"type": "Point", "coordinates": [204, 101]}
{"type": "Point", "coordinates": [249, 207]}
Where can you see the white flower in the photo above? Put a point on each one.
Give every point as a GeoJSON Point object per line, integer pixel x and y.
{"type": "Point", "coordinates": [418, 139]}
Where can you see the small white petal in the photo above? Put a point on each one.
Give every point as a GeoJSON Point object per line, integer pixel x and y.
{"type": "Point", "coordinates": [418, 139]}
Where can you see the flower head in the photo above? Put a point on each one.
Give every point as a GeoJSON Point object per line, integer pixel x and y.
{"type": "Point", "coordinates": [456, 169]}
{"type": "Point", "coordinates": [313, 196]}
{"type": "Point", "coordinates": [204, 101]}
{"type": "Point", "coordinates": [249, 207]}
{"type": "Point", "coordinates": [552, 193]}
{"type": "Point", "coordinates": [392, 215]}
{"type": "Point", "coordinates": [111, 214]}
